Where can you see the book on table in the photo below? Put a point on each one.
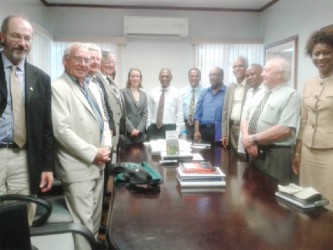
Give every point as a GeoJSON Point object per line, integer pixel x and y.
{"type": "Point", "coordinates": [200, 174]}
{"type": "Point", "coordinates": [201, 190]}
{"type": "Point", "coordinates": [181, 156]}
{"type": "Point", "coordinates": [303, 198]}
{"type": "Point", "coordinates": [172, 143]}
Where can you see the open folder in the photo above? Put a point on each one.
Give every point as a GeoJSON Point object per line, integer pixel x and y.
{"type": "Point", "coordinates": [303, 198]}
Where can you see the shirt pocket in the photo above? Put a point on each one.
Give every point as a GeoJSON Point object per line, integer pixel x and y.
{"type": "Point", "coordinates": [270, 114]}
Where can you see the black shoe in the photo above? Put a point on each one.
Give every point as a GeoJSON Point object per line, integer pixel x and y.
{"type": "Point", "coordinates": [101, 229]}
{"type": "Point", "coordinates": [101, 245]}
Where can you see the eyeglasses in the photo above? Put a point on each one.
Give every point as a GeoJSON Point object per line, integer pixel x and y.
{"type": "Point", "coordinates": [109, 62]}
{"type": "Point", "coordinates": [17, 37]}
{"type": "Point", "coordinates": [79, 59]}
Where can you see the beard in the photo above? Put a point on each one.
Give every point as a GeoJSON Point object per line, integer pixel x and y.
{"type": "Point", "coordinates": [18, 54]}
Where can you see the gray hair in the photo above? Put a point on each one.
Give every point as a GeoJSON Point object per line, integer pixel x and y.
{"type": "Point", "coordinates": [106, 54]}
{"type": "Point", "coordinates": [244, 59]}
{"type": "Point", "coordinates": [283, 66]}
{"type": "Point", "coordinates": [94, 47]}
{"type": "Point", "coordinates": [72, 46]}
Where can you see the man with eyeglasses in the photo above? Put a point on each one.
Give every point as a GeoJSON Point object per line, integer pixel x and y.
{"type": "Point", "coordinates": [81, 140]}
{"type": "Point", "coordinates": [26, 136]}
{"type": "Point", "coordinates": [208, 113]}
{"type": "Point", "coordinates": [114, 97]}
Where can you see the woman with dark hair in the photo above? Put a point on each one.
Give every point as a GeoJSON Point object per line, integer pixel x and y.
{"type": "Point", "coordinates": [314, 151]}
{"type": "Point", "coordinates": [136, 108]}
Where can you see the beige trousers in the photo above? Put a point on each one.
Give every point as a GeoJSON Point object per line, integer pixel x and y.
{"type": "Point", "coordinates": [14, 177]}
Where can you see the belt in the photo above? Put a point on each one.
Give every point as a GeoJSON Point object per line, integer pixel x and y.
{"type": "Point", "coordinates": [9, 145]}
{"type": "Point", "coordinates": [234, 122]}
{"type": "Point", "coordinates": [272, 146]}
{"type": "Point", "coordinates": [207, 125]}
{"type": "Point", "coordinates": [186, 121]}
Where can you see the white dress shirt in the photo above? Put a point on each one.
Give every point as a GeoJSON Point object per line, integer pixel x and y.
{"type": "Point", "coordinates": [237, 102]}
{"type": "Point", "coordinates": [253, 98]}
{"type": "Point", "coordinates": [173, 107]}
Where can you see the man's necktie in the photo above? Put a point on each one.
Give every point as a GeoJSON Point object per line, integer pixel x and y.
{"type": "Point", "coordinates": [160, 110]}
{"type": "Point", "coordinates": [252, 129]}
{"type": "Point", "coordinates": [191, 110]}
{"type": "Point", "coordinates": [20, 135]}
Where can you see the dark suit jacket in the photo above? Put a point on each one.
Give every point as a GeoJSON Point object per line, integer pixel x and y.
{"type": "Point", "coordinates": [108, 107]}
{"type": "Point", "coordinates": [136, 114]}
{"type": "Point", "coordinates": [40, 140]}
{"type": "Point", "coordinates": [118, 110]}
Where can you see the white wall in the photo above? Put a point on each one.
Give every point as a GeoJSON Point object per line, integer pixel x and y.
{"type": "Point", "coordinates": [152, 54]}
{"type": "Point", "coordinates": [297, 17]}
{"type": "Point", "coordinates": [33, 9]}
{"type": "Point", "coordinates": [284, 19]}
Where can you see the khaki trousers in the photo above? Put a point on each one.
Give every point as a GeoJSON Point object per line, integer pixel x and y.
{"type": "Point", "coordinates": [14, 177]}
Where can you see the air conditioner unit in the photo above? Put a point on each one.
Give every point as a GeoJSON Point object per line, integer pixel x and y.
{"type": "Point", "coordinates": [155, 26]}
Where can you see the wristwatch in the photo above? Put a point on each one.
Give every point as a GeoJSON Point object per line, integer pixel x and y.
{"type": "Point", "coordinates": [254, 138]}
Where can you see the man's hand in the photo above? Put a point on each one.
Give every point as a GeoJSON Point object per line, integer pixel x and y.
{"type": "Point", "coordinates": [296, 164]}
{"type": "Point", "coordinates": [252, 150]}
{"type": "Point", "coordinates": [225, 142]}
{"type": "Point", "coordinates": [135, 133]}
{"type": "Point", "coordinates": [197, 136]}
{"type": "Point", "coordinates": [103, 155]}
{"type": "Point", "coordinates": [46, 181]}
{"type": "Point", "coordinates": [247, 141]}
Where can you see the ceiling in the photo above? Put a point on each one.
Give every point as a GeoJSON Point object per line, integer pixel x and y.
{"type": "Point", "coordinates": [204, 5]}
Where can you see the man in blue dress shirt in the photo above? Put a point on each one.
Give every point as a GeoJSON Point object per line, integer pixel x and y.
{"type": "Point", "coordinates": [190, 96]}
{"type": "Point", "coordinates": [208, 113]}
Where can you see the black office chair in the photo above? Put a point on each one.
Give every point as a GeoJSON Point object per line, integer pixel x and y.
{"type": "Point", "coordinates": [15, 232]}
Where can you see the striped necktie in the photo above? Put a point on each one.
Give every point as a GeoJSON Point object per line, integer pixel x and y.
{"type": "Point", "coordinates": [252, 129]}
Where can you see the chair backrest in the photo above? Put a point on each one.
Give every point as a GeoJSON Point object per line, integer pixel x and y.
{"type": "Point", "coordinates": [14, 227]}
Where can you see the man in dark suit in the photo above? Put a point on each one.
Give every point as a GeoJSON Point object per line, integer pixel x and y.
{"type": "Point", "coordinates": [114, 97]}
{"type": "Point", "coordinates": [26, 137]}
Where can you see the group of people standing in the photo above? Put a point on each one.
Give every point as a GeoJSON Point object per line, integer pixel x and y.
{"type": "Point", "coordinates": [74, 122]}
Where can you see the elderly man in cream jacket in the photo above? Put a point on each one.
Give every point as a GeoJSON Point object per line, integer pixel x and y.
{"type": "Point", "coordinates": [83, 140]}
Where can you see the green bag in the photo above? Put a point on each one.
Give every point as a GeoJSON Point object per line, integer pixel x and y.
{"type": "Point", "coordinates": [137, 177]}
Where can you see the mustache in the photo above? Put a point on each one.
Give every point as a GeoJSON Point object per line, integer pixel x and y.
{"type": "Point", "coordinates": [20, 49]}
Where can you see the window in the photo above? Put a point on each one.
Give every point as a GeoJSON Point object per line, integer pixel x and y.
{"type": "Point", "coordinates": [40, 52]}
{"type": "Point", "coordinates": [208, 55]}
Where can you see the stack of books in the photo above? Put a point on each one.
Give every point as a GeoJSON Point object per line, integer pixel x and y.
{"type": "Point", "coordinates": [199, 145]}
{"type": "Point", "coordinates": [200, 174]}
{"type": "Point", "coordinates": [303, 198]}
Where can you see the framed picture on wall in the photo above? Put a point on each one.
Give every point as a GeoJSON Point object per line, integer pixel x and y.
{"type": "Point", "coordinates": [286, 48]}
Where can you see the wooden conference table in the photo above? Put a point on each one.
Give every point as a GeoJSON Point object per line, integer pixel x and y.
{"type": "Point", "coordinates": [245, 215]}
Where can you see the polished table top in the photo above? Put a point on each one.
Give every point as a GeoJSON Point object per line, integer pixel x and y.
{"type": "Point", "coordinates": [245, 215]}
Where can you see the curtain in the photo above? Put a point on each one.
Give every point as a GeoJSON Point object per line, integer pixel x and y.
{"type": "Point", "coordinates": [208, 55]}
{"type": "Point", "coordinates": [40, 52]}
